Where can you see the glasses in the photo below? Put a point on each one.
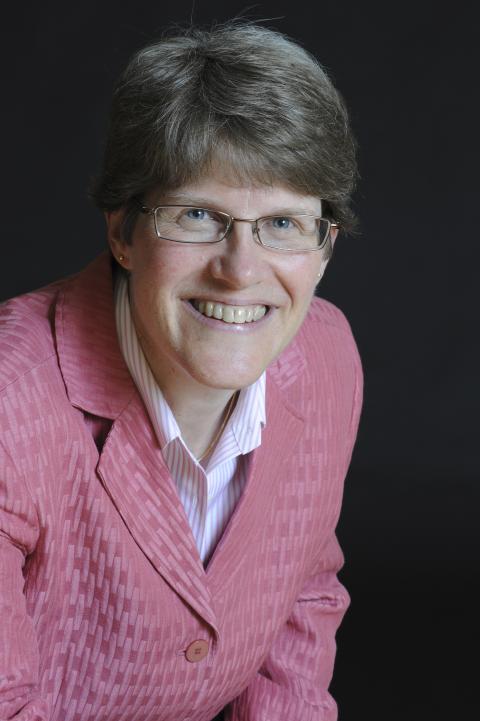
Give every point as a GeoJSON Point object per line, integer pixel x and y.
{"type": "Point", "coordinates": [292, 233]}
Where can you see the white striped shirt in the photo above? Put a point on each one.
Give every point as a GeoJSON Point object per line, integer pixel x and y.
{"type": "Point", "coordinates": [209, 495]}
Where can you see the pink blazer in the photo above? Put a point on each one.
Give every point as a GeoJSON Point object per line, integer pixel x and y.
{"type": "Point", "coordinates": [107, 613]}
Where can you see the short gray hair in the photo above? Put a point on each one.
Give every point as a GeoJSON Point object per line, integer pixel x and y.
{"type": "Point", "coordinates": [239, 96]}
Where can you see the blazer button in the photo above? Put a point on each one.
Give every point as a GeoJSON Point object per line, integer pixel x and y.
{"type": "Point", "coordinates": [197, 651]}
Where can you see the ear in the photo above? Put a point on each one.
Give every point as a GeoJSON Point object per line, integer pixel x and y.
{"type": "Point", "coordinates": [114, 220]}
{"type": "Point", "coordinates": [333, 235]}
{"type": "Point", "coordinates": [325, 261]}
{"type": "Point", "coordinates": [320, 273]}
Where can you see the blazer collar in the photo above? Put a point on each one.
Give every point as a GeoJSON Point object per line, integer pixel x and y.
{"type": "Point", "coordinates": [137, 479]}
{"type": "Point", "coordinates": [95, 375]}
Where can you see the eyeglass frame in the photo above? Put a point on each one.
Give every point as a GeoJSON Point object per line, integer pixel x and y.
{"type": "Point", "coordinates": [231, 220]}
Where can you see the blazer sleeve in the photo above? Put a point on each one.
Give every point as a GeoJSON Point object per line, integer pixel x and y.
{"type": "Point", "coordinates": [19, 657]}
{"type": "Point", "coordinates": [292, 683]}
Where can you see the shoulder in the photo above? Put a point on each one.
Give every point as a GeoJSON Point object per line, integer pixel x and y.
{"type": "Point", "coordinates": [324, 316]}
{"type": "Point", "coordinates": [326, 337]}
{"type": "Point", "coordinates": [320, 371]}
{"type": "Point", "coordinates": [27, 332]}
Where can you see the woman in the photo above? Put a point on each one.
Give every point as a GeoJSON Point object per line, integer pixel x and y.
{"type": "Point", "coordinates": [178, 418]}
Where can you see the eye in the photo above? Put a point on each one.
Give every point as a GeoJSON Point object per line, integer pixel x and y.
{"type": "Point", "coordinates": [282, 223]}
{"type": "Point", "coordinates": [207, 224]}
{"type": "Point", "coordinates": [197, 214]}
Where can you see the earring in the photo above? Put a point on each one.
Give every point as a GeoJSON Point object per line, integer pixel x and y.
{"type": "Point", "coordinates": [121, 257]}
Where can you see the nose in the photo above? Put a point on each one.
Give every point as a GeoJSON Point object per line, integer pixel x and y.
{"type": "Point", "coordinates": [239, 260]}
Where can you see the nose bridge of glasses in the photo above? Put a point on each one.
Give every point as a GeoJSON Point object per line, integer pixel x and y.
{"type": "Point", "coordinates": [253, 223]}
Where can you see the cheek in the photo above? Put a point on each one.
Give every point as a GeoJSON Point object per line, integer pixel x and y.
{"type": "Point", "coordinates": [157, 284]}
{"type": "Point", "coordinates": [301, 280]}
{"type": "Point", "coordinates": [155, 275]}
{"type": "Point", "coordinates": [149, 299]}
{"type": "Point", "coordinates": [169, 266]}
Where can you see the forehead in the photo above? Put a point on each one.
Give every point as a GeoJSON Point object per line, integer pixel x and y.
{"type": "Point", "coordinates": [220, 191]}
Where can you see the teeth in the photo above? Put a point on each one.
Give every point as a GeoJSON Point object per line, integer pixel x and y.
{"type": "Point", "coordinates": [240, 315]}
{"type": "Point", "coordinates": [218, 311]}
{"type": "Point", "coordinates": [230, 313]}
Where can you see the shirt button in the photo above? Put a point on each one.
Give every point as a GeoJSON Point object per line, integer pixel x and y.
{"type": "Point", "coordinates": [197, 651]}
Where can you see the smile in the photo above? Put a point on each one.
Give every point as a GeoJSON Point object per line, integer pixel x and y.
{"type": "Point", "coordinates": [230, 313]}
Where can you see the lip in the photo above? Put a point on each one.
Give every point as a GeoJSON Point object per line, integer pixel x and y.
{"type": "Point", "coordinates": [232, 301]}
{"type": "Point", "coordinates": [230, 327]}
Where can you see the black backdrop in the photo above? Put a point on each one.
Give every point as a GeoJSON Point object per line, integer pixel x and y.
{"type": "Point", "coordinates": [407, 284]}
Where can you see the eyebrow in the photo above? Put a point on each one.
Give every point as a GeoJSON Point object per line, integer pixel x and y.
{"type": "Point", "coordinates": [198, 202]}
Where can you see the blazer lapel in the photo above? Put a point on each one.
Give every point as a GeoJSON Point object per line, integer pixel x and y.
{"type": "Point", "coordinates": [131, 465]}
{"type": "Point", "coordinates": [138, 481]}
{"type": "Point", "coordinates": [279, 439]}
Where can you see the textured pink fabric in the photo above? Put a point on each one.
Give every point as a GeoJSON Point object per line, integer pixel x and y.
{"type": "Point", "coordinates": [101, 585]}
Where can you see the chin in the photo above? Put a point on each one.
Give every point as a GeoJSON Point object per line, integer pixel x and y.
{"type": "Point", "coordinates": [226, 368]}
{"type": "Point", "coordinates": [230, 380]}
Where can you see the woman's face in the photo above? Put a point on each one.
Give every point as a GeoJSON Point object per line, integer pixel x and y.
{"type": "Point", "coordinates": [168, 281]}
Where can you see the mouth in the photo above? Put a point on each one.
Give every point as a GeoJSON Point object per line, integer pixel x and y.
{"type": "Point", "coordinates": [238, 314]}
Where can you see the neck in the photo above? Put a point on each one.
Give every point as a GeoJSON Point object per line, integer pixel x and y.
{"type": "Point", "coordinates": [201, 418]}
{"type": "Point", "coordinates": [199, 410]}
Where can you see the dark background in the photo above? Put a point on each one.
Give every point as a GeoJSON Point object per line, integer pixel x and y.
{"type": "Point", "coordinates": [408, 648]}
